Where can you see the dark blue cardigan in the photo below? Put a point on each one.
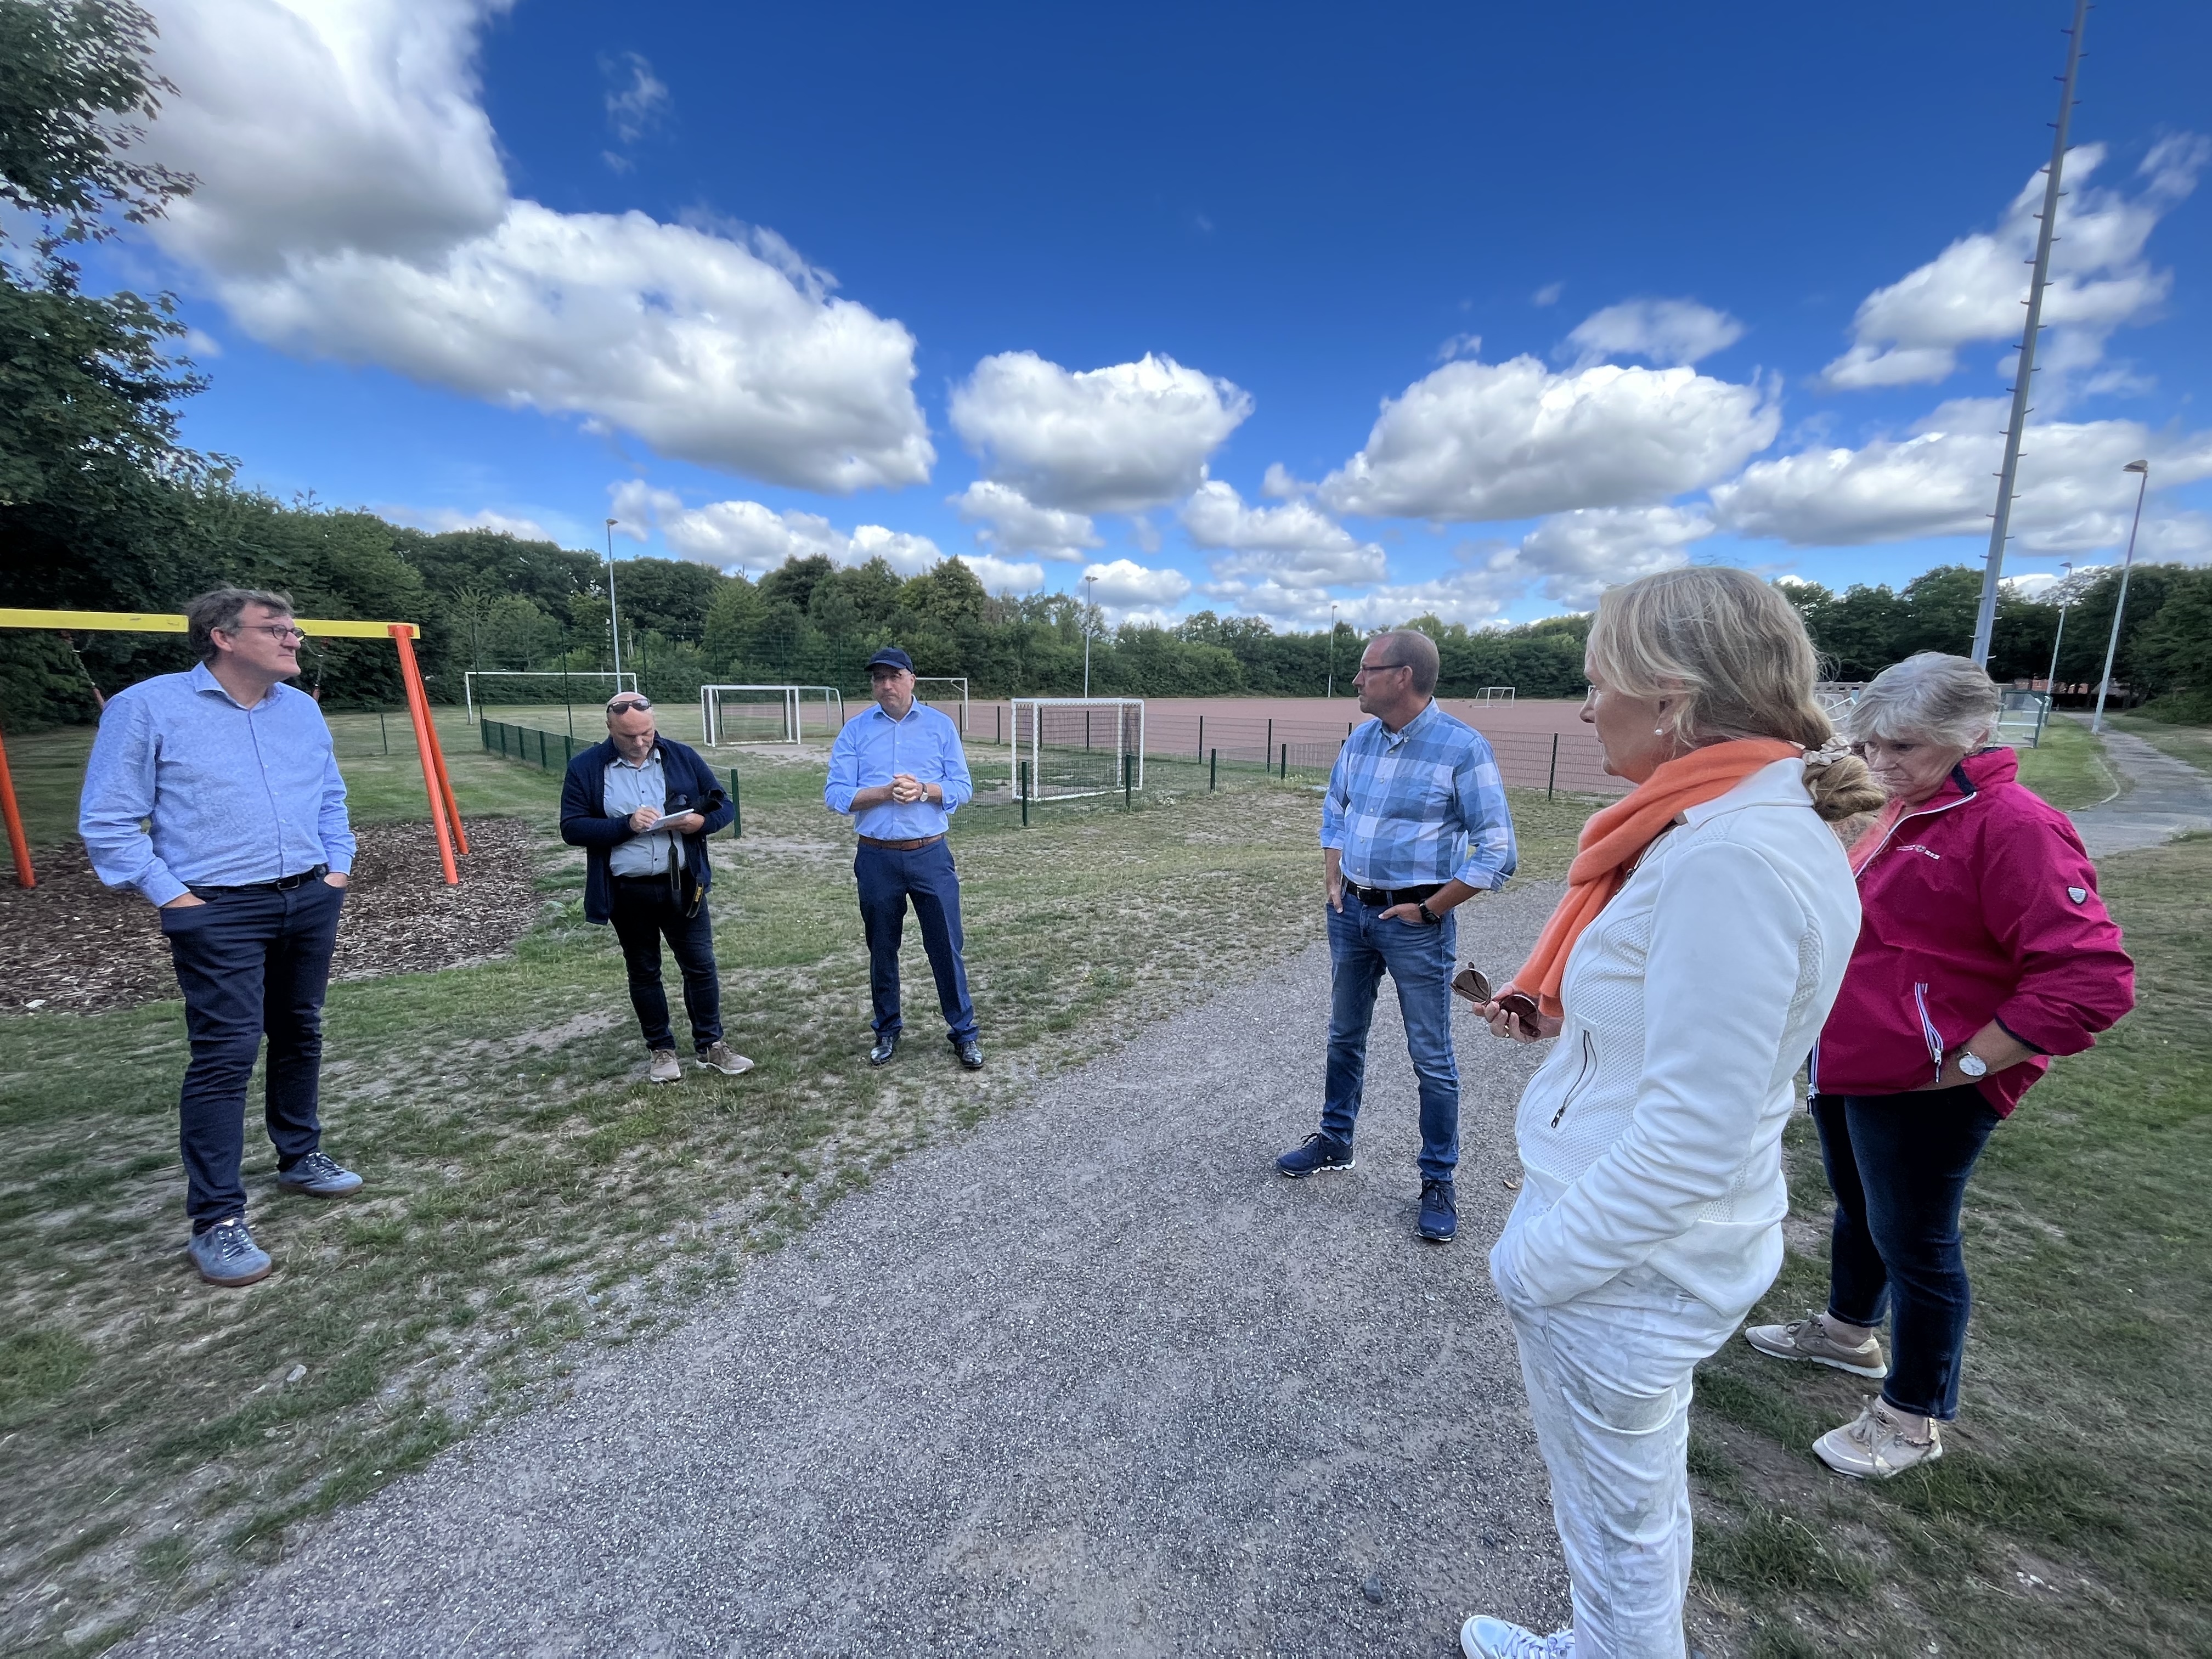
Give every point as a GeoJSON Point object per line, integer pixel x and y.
{"type": "Point", "coordinates": [585, 823]}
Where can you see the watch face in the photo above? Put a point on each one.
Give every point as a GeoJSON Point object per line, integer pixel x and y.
{"type": "Point", "coordinates": [1973, 1065]}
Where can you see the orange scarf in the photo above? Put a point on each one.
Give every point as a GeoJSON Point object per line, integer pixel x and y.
{"type": "Point", "coordinates": [1615, 838]}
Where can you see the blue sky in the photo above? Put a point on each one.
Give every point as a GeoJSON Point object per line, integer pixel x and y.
{"type": "Point", "coordinates": [1469, 309]}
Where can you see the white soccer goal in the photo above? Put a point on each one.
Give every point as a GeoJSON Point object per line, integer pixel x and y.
{"type": "Point", "coordinates": [1069, 746]}
{"type": "Point", "coordinates": [1494, 694]}
{"type": "Point", "coordinates": [550, 686]}
{"type": "Point", "coordinates": [734, 715]}
{"type": "Point", "coordinates": [956, 683]}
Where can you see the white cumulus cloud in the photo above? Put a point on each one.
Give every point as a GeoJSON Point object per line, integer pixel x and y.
{"type": "Point", "coordinates": [754, 537]}
{"type": "Point", "coordinates": [1115, 439]}
{"type": "Point", "coordinates": [1938, 481]}
{"type": "Point", "coordinates": [439, 519]}
{"type": "Point", "coordinates": [1124, 585]}
{"type": "Point", "coordinates": [1016, 525]}
{"type": "Point", "coordinates": [1475, 442]}
{"type": "Point", "coordinates": [1004, 575]}
{"type": "Point", "coordinates": [1910, 332]}
{"type": "Point", "coordinates": [1296, 545]}
{"type": "Point", "coordinates": [1575, 556]}
{"type": "Point", "coordinates": [352, 205]}
{"type": "Point", "coordinates": [1667, 332]}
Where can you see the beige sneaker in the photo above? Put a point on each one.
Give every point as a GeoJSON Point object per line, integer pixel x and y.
{"type": "Point", "coordinates": [1876, 1443]}
{"type": "Point", "coordinates": [725, 1059]}
{"type": "Point", "coordinates": [664, 1067]}
{"type": "Point", "coordinates": [1813, 1338]}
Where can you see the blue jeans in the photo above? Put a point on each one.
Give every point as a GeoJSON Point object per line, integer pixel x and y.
{"type": "Point", "coordinates": [1897, 1166]}
{"type": "Point", "coordinates": [1418, 958]}
{"type": "Point", "coordinates": [644, 912]}
{"type": "Point", "coordinates": [250, 962]}
{"type": "Point", "coordinates": [888, 879]}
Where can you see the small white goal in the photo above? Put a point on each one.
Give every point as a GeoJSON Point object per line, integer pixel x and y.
{"type": "Point", "coordinates": [1494, 694]}
{"type": "Point", "coordinates": [1065, 747]}
{"type": "Point", "coordinates": [733, 716]}
{"type": "Point", "coordinates": [933, 688]}
{"type": "Point", "coordinates": [547, 687]}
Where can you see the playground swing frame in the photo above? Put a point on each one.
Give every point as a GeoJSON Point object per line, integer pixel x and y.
{"type": "Point", "coordinates": [445, 812]}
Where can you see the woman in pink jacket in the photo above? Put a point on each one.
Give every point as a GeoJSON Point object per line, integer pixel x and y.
{"type": "Point", "coordinates": [1983, 953]}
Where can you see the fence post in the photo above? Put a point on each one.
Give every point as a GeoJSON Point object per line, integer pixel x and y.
{"type": "Point", "coordinates": [1213, 769]}
{"type": "Point", "coordinates": [1128, 773]}
{"type": "Point", "coordinates": [1201, 734]}
{"type": "Point", "coordinates": [568, 752]}
{"type": "Point", "coordinates": [737, 811]}
{"type": "Point", "coordinates": [1554, 779]}
{"type": "Point", "coordinates": [382, 731]}
{"type": "Point", "coordinates": [1285, 773]}
{"type": "Point", "coordinates": [1025, 766]}
{"type": "Point", "coordinates": [1270, 742]}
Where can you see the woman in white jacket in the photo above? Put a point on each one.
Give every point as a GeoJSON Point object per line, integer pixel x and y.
{"type": "Point", "coordinates": [1708, 920]}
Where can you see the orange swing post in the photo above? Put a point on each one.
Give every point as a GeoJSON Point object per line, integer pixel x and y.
{"type": "Point", "coordinates": [18, 843]}
{"type": "Point", "coordinates": [426, 746]}
{"type": "Point", "coordinates": [437, 753]}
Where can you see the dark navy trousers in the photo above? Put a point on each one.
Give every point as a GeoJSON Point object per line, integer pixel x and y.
{"type": "Point", "coordinates": [888, 879]}
{"type": "Point", "coordinates": [252, 962]}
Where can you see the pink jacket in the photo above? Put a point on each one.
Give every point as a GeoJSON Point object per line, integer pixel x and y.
{"type": "Point", "coordinates": [1979, 904]}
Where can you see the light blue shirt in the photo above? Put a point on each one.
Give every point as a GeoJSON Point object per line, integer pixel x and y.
{"type": "Point", "coordinates": [1419, 806]}
{"type": "Point", "coordinates": [626, 788]}
{"type": "Point", "coordinates": [873, 747]}
{"type": "Point", "coordinates": [235, 796]}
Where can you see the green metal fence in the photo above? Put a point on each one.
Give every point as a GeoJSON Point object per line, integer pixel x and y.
{"type": "Point", "coordinates": [551, 750]}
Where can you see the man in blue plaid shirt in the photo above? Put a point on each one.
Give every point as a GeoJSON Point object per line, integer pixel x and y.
{"type": "Point", "coordinates": [1414, 824]}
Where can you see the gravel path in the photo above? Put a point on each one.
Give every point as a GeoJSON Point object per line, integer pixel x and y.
{"type": "Point", "coordinates": [2165, 797]}
{"type": "Point", "coordinates": [1091, 1379]}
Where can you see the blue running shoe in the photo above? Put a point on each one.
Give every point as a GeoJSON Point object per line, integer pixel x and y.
{"type": "Point", "coordinates": [1439, 1215]}
{"type": "Point", "coordinates": [225, 1255]}
{"type": "Point", "coordinates": [1483, 1638]}
{"type": "Point", "coordinates": [318, 1176]}
{"type": "Point", "coordinates": [1321, 1151]}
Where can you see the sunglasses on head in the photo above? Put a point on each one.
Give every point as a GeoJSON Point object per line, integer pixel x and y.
{"type": "Point", "coordinates": [628, 705]}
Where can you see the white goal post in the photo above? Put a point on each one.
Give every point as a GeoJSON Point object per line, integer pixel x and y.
{"type": "Point", "coordinates": [960, 681]}
{"type": "Point", "coordinates": [624, 681]}
{"type": "Point", "coordinates": [1065, 747]}
{"type": "Point", "coordinates": [1494, 694]}
{"type": "Point", "coordinates": [734, 716]}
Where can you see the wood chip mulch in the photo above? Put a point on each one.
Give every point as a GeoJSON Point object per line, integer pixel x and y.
{"type": "Point", "coordinates": [69, 944]}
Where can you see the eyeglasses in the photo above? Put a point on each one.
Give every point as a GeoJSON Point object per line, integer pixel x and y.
{"type": "Point", "coordinates": [276, 631]}
{"type": "Point", "coordinates": [629, 705]}
{"type": "Point", "coordinates": [1380, 667]}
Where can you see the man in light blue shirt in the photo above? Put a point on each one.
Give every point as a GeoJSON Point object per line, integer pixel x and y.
{"type": "Point", "coordinates": [1414, 823]}
{"type": "Point", "coordinates": [898, 769]}
{"type": "Point", "coordinates": [246, 848]}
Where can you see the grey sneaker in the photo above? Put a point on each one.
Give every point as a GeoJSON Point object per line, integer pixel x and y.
{"type": "Point", "coordinates": [665, 1068]}
{"type": "Point", "coordinates": [318, 1176]}
{"type": "Point", "coordinates": [725, 1060]}
{"type": "Point", "coordinates": [1813, 1338]}
{"type": "Point", "coordinates": [1485, 1637]}
{"type": "Point", "coordinates": [1877, 1443]}
{"type": "Point", "coordinates": [226, 1253]}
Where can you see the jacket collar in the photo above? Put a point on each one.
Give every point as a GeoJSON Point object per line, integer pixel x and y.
{"type": "Point", "coordinates": [1777, 783]}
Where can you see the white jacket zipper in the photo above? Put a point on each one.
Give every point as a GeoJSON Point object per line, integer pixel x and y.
{"type": "Point", "coordinates": [1581, 1078]}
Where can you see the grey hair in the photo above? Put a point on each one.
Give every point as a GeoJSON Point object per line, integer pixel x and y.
{"type": "Point", "coordinates": [218, 611]}
{"type": "Point", "coordinates": [1947, 701]}
{"type": "Point", "coordinates": [1411, 648]}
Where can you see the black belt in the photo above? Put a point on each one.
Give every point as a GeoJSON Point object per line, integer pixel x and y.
{"type": "Point", "coordinates": [281, 885]}
{"type": "Point", "coordinates": [1384, 898]}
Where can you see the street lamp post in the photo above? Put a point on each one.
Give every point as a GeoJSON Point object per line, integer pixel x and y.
{"type": "Point", "coordinates": [614, 617]}
{"type": "Point", "coordinates": [2120, 607]}
{"type": "Point", "coordinates": [2050, 680]}
{"type": "Point", "coordinates": [1090, 587]}
{"type": "Point", "coordinates": [1332, 651]}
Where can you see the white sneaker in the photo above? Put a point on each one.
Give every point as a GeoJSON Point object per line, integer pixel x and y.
{"type": "Point", "coordinates": [1485, 1637]}
{"type": "Point", "coordinates": [664, 1067]}
{"type": "Point", "coordinates": [1876, 1445]}
{"type": "Point", "coordinates": [1815, 1340]}
{"type": "Point", "coordinates": [725, 1060]}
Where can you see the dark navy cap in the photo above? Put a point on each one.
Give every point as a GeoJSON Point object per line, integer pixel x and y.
{"type": "Point", "coordinates": [892, 657]}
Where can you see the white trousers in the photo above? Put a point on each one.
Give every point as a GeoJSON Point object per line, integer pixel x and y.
{"type": "Point", "coordinates": [1608, 1381]}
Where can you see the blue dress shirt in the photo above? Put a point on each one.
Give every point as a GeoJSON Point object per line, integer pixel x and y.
{"type": "Point", "coordinates": [236, 796]}
{"type": "Point", "coordinates": [1419, 806]}
{"type": "Point", "coordinates": [873, 746]}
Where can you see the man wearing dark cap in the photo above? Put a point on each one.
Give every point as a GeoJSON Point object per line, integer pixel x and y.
{"type": "Point", "coordinates": [899, 771]}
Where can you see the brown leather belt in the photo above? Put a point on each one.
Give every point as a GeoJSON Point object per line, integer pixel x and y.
{"type": "Point", "coordinates": [901, 846]}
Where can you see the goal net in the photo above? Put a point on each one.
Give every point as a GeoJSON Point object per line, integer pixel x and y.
{"type": "Point", "coordinates": [1495, 693]}
{"type": "Point", "coordinates": [947, 690]}
{"type": "Point", "coordinates": [540, 687]}
{"type": "Point", "coordinates": [1069, 746]}
{"type": "Point", "coordinates": [732, 716]}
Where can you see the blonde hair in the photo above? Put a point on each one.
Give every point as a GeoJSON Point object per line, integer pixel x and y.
{"type": "Point", "coordinates": [1736, 655]}
{"type": "Point", "coordinates": [1932, 697]}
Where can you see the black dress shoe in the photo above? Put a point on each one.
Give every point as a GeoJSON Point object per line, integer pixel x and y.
{"type": "Point", "coordinates": [886, 1046]}
{"type": "Point", "coordinates": [971, 1055]}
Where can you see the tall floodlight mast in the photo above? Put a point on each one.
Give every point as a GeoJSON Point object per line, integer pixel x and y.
{"type": "Point", "coordinates": [1993, 568]}
{"type": "Point", "coordinates": [614, 617]}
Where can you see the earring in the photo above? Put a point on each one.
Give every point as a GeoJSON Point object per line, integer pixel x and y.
{"type": "Point", "coordinates": [1658, 731]}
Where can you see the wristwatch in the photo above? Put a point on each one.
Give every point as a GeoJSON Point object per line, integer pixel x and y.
{"type": "Point", "coordinates": [1427, 914]}
{"type": "Point", "coordinates": [1972, 1064]}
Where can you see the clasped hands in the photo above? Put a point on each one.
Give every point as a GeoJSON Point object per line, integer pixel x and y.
{"type": "Point", "coordinates": [906, 789]}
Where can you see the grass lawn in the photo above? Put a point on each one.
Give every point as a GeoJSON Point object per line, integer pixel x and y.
{"type": "Point", "coordinates": [2068, 768]}
{"type": "Point", "coordinates": [2072, 1512]}
{"type": "Point", "coordinates": [2192, 744]}
{"type": "Point", "coordinates": [531, 1198]}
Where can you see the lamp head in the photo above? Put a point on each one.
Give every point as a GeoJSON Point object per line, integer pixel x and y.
{"type": "Point", "coordinates": [2136, 466]}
